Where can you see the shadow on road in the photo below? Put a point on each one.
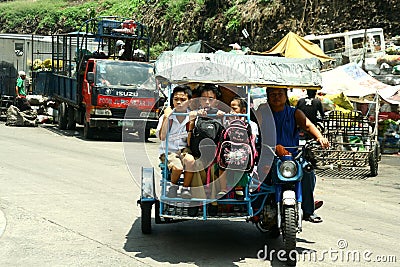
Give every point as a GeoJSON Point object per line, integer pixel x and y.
{"type": "Point", "coordinates": [54, 129]}
{"type": "Point", "coordinates": [345, 173]}
{"type": "Point", "coordinates": [205, 243]}
{"type": "Point", "coordinates": [106, 135]}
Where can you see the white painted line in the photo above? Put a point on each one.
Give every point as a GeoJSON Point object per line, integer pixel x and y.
{"type": "Point", "coordinates": [3, 223]}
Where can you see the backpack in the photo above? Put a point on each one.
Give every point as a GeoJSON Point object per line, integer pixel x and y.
{"type": "Point", "coordinates": [236, 148]}
{"type": "Point", "coordinates": [206, 134]}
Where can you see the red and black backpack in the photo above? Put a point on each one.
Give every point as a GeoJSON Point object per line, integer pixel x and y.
{"type": "Point", "coordinates": [236, 149]}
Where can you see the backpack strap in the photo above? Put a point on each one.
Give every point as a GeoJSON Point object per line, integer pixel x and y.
{"type": "Point", "coordinates": [187, 126]}
{"type": "Point", "coordinates": [213, 163]}
{"type": "Point", "coordinates": [210, 169]}
{"type": "Point", "coordinates": [208, 176]}
{"type": "Point", "coordinates": [256, 177]}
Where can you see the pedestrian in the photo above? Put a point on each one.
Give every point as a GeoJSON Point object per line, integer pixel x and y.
{"type": "Point", "coordinates": [20, 92]}
{"type": "Point", "coordinates": [311, 107]}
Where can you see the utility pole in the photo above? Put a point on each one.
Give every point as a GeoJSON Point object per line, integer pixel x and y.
{"type": "Point", "coordinates": [365, 39]}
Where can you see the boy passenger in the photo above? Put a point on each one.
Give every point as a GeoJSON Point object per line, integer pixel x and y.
{"type": "Point", "coordinates": [209, 94]}
{"type": "Point", "coordinates": [208, 104]}
{"type": "Point", "coordinates": [179, 157]}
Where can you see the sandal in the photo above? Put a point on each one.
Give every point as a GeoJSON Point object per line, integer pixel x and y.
{"type": "Point", "coordinates": [318, 204]}
{"type": "Point", "coordinates": [314, 218]}
{"type": "Point", "coordinates": [239, 194]}
{"type": "Point", "coordinates": [221, 194]}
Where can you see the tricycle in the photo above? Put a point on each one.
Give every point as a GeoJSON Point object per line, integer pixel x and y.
{"type": "Point", "coordinates": [273, 204]}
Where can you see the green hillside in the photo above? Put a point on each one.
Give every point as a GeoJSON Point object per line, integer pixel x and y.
{"type": "Point", "coordinates": [216, 21]}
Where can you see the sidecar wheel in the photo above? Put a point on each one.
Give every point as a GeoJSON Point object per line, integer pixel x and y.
{"type": "Point", "coordinates": [146, 217]}
{"type": "Point", "coordinates": [289, 234]}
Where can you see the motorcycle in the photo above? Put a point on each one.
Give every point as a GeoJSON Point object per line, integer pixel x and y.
{"type": "Point", "coordinates": [279, 198]}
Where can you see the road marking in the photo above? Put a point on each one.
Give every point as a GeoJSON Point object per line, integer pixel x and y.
{"type": "Point", "coordinates": [3, 223]}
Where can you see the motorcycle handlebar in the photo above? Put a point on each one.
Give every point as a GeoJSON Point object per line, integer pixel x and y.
{"type": "Point", "coordinates": [308, 145]}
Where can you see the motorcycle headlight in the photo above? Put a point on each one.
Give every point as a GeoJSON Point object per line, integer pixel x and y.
{"type": "Point", "coordinates": [288, 169]}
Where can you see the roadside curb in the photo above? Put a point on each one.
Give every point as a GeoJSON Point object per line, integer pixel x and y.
{"type": "Point", "coordinates": [3, 223]}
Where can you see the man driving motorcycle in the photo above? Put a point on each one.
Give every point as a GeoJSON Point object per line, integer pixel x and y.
{"type": "Point", "coordinates": [287, 122]}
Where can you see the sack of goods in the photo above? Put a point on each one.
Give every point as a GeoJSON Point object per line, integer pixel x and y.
{"type": "Point", "coordinates": [15, 117]}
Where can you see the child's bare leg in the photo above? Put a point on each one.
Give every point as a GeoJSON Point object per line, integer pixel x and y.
{"type": "Point", "coordinates": [175, 174]}
{"type": "Point", "coordinates": [187, 179]}
{"type": "Point", "coordinates": [222, 180]}
{"type": "Point", "coordinates": [188, 162]}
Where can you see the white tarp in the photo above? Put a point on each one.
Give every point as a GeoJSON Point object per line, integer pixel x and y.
{"type": "Point", "coordinates": [354, 82]}
{"type": "Point", "coordinates": [229, 68]}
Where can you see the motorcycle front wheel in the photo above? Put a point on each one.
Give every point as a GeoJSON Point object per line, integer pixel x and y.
{"type": "Point", "coordinates": [289, 234]}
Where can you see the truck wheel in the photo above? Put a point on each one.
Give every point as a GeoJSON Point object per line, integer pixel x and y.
{"type": "Point", "coordinates": [373, 162]}
{"type": "Point", "coordinates": [289, 234]}
{"type": "Point", "coordinates": [62, 116]}
{"type": "Point", "coordinates": [88, 132]}
{"type": "Point", "coordinates": [71, 124]}
{"type": "Point", "coordinates": [146, 217]}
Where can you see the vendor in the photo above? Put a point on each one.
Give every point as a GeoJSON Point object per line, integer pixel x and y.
{"type": "Point", "coordinates": [20, 92]}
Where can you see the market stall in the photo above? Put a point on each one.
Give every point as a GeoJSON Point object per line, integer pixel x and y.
{"type": "Point", "coordinates": [367, 94]}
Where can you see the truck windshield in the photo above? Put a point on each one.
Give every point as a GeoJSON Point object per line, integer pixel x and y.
{"type": "Point", "coordinates": [112, 73]}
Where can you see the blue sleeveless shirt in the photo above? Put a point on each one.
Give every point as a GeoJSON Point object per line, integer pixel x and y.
{"type": "Point", "coordinates": [287, 132]}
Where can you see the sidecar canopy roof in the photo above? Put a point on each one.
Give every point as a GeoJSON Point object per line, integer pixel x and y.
{"type": "Point", "coordinates": [234, 69]}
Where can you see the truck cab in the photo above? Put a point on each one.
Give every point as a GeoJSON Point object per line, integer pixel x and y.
{"type": "Point", "coordinates": [119, 93]}
{"type": "Point", "coordinates": [101, 84]}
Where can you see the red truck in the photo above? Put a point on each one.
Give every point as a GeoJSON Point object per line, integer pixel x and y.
{"type": "Point", "coordinates": [99, 84]}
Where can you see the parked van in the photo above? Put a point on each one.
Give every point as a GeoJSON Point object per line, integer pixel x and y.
{"type": "Point", "coordinates": [349, 46]}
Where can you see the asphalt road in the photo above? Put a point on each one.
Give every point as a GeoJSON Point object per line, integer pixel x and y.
{"type": "Point", "coordinates": [66, 201]}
